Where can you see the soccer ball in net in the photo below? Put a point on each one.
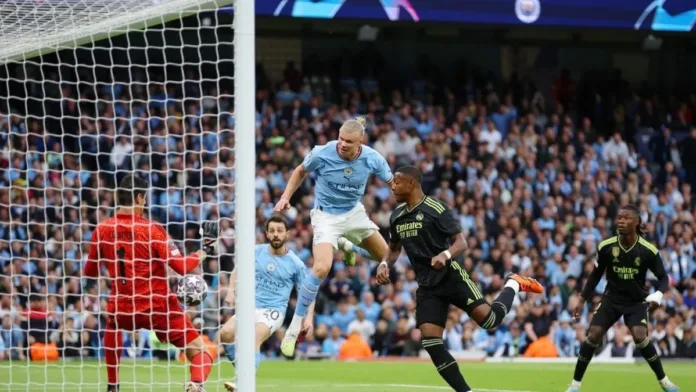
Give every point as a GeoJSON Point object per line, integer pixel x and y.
{"type": "Point", "coordinates": [192, 290]}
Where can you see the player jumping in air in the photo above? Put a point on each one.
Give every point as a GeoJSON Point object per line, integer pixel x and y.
{"type": "Point", "coordinates": [342, 169]}
{"type": "Point", "coordinates": [626, 259]}
{"type": "Point", "coordinates": [278, 269]}
{"type": "Point", "coordinates": [432, 239]}
{"type": "Point", "coordinates": [136, 252]}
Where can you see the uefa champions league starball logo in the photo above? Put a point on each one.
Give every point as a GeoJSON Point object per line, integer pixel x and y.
{"type": "Point", "coordinates": [527, 11]}
{"type": "Point", "coordinates": [663, 20]}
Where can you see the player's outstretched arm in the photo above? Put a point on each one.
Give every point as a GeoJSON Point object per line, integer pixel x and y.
{"type": "Point", "coordinates": [167, 250]}
{"type": "Point", "coordinates": [298, 175]}
{"type": "Point", "coordinates": [184, 265]}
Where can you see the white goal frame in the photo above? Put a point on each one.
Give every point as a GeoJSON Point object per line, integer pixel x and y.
{"type": "Point", "coordinates": [53, 29]}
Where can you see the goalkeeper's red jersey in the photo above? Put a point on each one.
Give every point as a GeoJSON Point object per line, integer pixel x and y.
{"type": "Point", "coordinates": [136, 252]}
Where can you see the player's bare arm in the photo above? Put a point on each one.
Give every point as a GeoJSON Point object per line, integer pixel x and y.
{"type": "Point", "coordinates": [308, 322]}
{"type": "Point", "coordinates": [384, 266]}
{"type": "Point", "coordinates": [232, 290]}
{"type": "Point", "coordinates": [590, 285]}
{"type": "Point", "coordinates": [298, 175]}
{"type": "Point", "coordinates": [455, 250]}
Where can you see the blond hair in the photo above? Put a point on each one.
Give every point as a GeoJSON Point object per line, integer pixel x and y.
{"type": "Point", "coordinates": [354, 125]}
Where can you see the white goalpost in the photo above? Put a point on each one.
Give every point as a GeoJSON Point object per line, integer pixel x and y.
{"type": "Point", "coordinates": [245, 81]}
{"type": "Point", "coordinates": [92, 90]}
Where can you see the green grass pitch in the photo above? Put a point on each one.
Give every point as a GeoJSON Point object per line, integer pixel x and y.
{"type": "Point", "coordinates": [321, 376]}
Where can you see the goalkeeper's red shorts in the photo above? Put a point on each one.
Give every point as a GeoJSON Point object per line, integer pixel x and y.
{"type": "Point", "coordinates": [169, 322]}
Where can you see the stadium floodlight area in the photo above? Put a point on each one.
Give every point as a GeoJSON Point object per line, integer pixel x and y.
{"type": "Point", "coordinates": [90, 91]}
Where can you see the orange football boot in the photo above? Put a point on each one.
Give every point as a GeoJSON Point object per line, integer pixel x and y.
{"type": "Point", "coordinates": [527, 284]}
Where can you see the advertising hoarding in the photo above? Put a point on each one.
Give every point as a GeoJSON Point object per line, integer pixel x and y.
{"type": "Point", "coordinates": [660, 15]}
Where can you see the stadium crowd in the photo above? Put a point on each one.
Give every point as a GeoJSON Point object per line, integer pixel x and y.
{"type": "Point", "coordinates": [534, 177]}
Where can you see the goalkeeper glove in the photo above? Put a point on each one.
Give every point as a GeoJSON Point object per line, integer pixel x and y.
{"type": "Point", "coordinates": [209, 234]}
{"type": "Point", "coordinates": [655, 298]}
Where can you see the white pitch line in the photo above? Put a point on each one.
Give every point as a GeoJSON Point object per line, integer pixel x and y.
{"type": "Point", "coordinates": [415, 386]}
{"type": "Point", "coordinates": [326, 385]}
{"type": "Point", "coordinates": [402, 386]}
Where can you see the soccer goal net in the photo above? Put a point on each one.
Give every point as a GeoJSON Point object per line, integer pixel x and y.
{"type": "Point", "coordinates": [92, 91]}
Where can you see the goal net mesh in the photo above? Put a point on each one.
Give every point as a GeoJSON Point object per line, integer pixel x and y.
{"type": "Point", "coordinates": [91, 91]}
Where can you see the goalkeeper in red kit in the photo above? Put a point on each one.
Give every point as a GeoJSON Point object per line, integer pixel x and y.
{"type": "Point", "coordinates": [136, 252]}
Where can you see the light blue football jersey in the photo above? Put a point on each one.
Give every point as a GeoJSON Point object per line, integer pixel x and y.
{"type": "Point", "coordinates": [275, 277]}
{"type": "Point", "coordinates": [340, 184]}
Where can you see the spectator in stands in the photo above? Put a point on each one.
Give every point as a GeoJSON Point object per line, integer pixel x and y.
{"type": "Point", "coordinates": [690, 297]}
{"type": "Point", "coordinates": [309, 346]}
{"type": "Point", "coordinates": [354, 347]}
{"type": "Point", "coordinates": [690, 342]}
{"type": "Point", "coordinates": [412, 347]}
{"type": "Point", "coordinates": [370, 308]}
{"type": "Point", "coordinates": [399, 337]}
{"type": "Point", "coordinates": [332, 344]}
{"type": "Point", "coordinates": [670, 346]}
{"type": "Point", "coordinates": [13, 337]}
{"type": "Point", "coordinates": [453, 335]}
{"type": "Point", "coordinates": [339, 286]}
{"type": "Point", "coordinates": [343, 316]}
{"type": "Point", "coordinates": [68, 339]}
{"type": "Point", "coordinates": [119, 159]}
{"type": "Point", "coordinates": [538, 328]}
{"type": "Point", "coordinates": [564, 335]}
{"type": "Point", "coordinates": [381, 340]}
{"type": "Point", "coordinates": [618, 347]}
{"type": "Point", "coordinates": [365, 328]}
{"type": "Point", "coordinates": [3, 350]}
{"type": "Point", "coordinates": [135, 342]}
{"type": "Point", "coordinates": [512, 342]}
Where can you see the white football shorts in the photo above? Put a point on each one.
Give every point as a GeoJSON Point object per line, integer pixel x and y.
{"type": "Point", "coordinates": [273, 319]}
{"type": "Point", "coordinates": [355, 225]}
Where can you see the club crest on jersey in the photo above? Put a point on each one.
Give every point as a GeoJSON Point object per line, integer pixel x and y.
{"type": "Point", "coordinates": [348, 171]}
{"type": "Point", "coordinates": [637, 261]}
{"type": "Point", "coordinates": [615, 251]}
{"type": "Point", "coordinates": [173, 248]}
{"type": "Point", "coordinates": [419, 216]}
{"type": "Point", "coordinates": [271, 267]}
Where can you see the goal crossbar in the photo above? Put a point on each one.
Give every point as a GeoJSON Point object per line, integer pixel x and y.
{"type": "Point", "coordinates": [28, 30]}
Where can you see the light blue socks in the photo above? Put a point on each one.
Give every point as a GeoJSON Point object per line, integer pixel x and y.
{"type": "Point", "coordinates": [362, 252]}
{"type": "Point", "coordinates": [308, 293]}
{"type": "Point", "coordinates": [230, 352]}
{"type": "Point", "coordinates": [232, 355]}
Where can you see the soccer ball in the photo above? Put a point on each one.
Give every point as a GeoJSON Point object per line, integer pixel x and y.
{"type": "Point", "coordinates": [192, 290]}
